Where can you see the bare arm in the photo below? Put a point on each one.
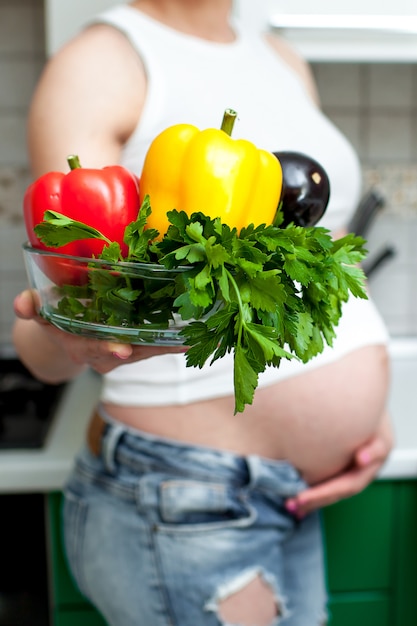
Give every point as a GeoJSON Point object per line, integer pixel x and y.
{"type": "Point", "coordinates": [83, 105]}
{"type": "Point", "coordinates": [55, 356]}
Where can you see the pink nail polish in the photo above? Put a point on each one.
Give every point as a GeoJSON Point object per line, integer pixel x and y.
{"type": "Point", "coordinates": [291, 506]}
{"type": "Point", "coordinates": [119, 356]}
{"type": "Point", "coordinates": [365, 458]}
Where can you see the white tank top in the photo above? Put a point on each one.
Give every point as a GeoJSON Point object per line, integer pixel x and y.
{"type": "Point", "coordinates": [193, 81]}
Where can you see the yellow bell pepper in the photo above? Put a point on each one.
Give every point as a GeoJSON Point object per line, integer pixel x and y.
{"type": "Point", "coordinates": [208, 171]}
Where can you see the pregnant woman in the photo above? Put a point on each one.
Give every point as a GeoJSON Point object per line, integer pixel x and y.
{"type": "Point", "coordinates": [179, 512]}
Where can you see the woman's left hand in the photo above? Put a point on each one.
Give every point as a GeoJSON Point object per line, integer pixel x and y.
{"type": "Point", "coordinates": [365, 466]}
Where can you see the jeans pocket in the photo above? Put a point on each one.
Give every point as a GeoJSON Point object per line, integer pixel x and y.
{"type": "Point", "coordinates": [202, 504]}
{"type": "Point", "coordinates": [75, 518]}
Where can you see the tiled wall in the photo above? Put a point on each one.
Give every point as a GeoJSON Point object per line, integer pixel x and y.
{"type": "Point", "coordinates": [21, 60]}
{"type": "Point", "coordinates": [375, 105]}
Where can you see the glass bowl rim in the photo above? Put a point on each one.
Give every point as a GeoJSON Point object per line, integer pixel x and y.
{"type": "Point", "coordinates": [128, 265]}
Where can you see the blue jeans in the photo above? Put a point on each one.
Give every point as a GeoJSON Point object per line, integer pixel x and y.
{"type": "Point", "coordinates": [160, 533]}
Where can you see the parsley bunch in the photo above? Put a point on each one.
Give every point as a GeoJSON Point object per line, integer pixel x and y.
{"type": "Point", "coordinates": [271, 292]}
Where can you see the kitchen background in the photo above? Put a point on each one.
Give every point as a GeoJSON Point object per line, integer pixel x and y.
{"type": "Point", "coordinates": [375, 104]}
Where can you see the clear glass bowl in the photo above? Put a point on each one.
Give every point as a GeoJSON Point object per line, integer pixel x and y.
{"type": "Point", "coordinates": [130, 302]}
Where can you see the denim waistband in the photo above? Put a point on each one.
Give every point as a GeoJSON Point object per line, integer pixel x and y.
{"type": "Point", "coordinates": [141, 452]}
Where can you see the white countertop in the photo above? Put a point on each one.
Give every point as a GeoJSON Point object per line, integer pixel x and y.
{"type": "Point", "coordinates": [46, 469]}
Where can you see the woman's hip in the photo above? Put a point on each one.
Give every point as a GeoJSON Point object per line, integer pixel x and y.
{"type": "Point", "coordinates": [182, 524]}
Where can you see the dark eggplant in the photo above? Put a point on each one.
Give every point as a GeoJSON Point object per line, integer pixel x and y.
{"type": "Point", "coordinates": [305, 189]}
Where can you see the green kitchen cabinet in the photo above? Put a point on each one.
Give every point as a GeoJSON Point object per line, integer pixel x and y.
{"type": "Point", "coordinates": [68, 606]}
{"type": "Point", "coordinates": [64, 592]}
{"type": "Point", "coordinates": [371, 559]}
{"type": "Point", "coordinates": [358, 534]}
{"type": "Point", "coordinates": [371, 554]}
{"type": "Point", "coordinates": [360, 609]}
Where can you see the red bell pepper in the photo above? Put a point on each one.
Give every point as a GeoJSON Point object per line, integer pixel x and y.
{"type": "Point", "coordinates": [106, 199]}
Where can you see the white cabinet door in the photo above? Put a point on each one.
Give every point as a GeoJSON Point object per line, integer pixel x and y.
{"type": "Point", "coordinates": [342, 7]}
{"type": "Point", "coordinates": [358, 30]}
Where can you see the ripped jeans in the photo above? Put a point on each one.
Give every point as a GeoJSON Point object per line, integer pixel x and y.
{"type": "Point", "coordinates": [160, 533]}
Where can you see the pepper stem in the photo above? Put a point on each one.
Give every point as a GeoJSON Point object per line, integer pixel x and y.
{"type": "Point", "coordinates": [73, 161]}
{"type": "Point", "coordinates": [228, 122]}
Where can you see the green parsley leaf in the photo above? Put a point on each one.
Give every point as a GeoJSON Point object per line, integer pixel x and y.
{"type": "Point", "coordinates": [265, 293]}
{"type": "Point", "coordinates": [137, 237]}
{"type": "Point", "coordinates": [57, 230]}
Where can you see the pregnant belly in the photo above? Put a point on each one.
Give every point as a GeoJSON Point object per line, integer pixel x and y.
{"type": "Point", "coordinates": [316, 420]}
{"type": "Point", "coordinates": [320, 418]}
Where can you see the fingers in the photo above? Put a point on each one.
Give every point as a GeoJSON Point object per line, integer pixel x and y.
{"type": "Point", "coordinates": [342, 486]}
{"type": "Point", "coordinates": [104, 356]}
{"type": "Point", "coordinates": [378, 448]}
{"type": "Point", "coordinates": [148, 351]}
{"type": "Point", "coordinates": [366, 464]}
{"type": "Point", "coordinates": [373, 452]}
{"type": "Point", "coordinates": [130, 353]}
{"type": "Point", "coordinates": [121, 351]}
{"type": "Point", "coordinates": [26, 304]}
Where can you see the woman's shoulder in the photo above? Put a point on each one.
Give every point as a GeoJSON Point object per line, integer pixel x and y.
{"type": "Point", "coordinates": [99, 47]}
{"type": "Point", "coordinates": [92, 90]}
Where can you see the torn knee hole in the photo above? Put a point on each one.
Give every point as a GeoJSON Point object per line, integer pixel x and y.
{"type": "Point", "coordinates": [252, 604]}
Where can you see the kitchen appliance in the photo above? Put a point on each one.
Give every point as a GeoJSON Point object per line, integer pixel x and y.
{"type": "Point", "coordinates": [27, 406]}
{"type": "Point", "coordinates": [366, 212]}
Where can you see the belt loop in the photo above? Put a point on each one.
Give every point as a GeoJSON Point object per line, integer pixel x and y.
{"type": "Point", "coordinates": [254, 466]}
{"type": "Point", "coordinates": [109, 445]}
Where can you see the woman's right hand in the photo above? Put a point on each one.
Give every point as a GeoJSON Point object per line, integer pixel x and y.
{"type": "Point", "coordinates": [56, 355]}
{"type": "Point", "coordinates": [366, 463]}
